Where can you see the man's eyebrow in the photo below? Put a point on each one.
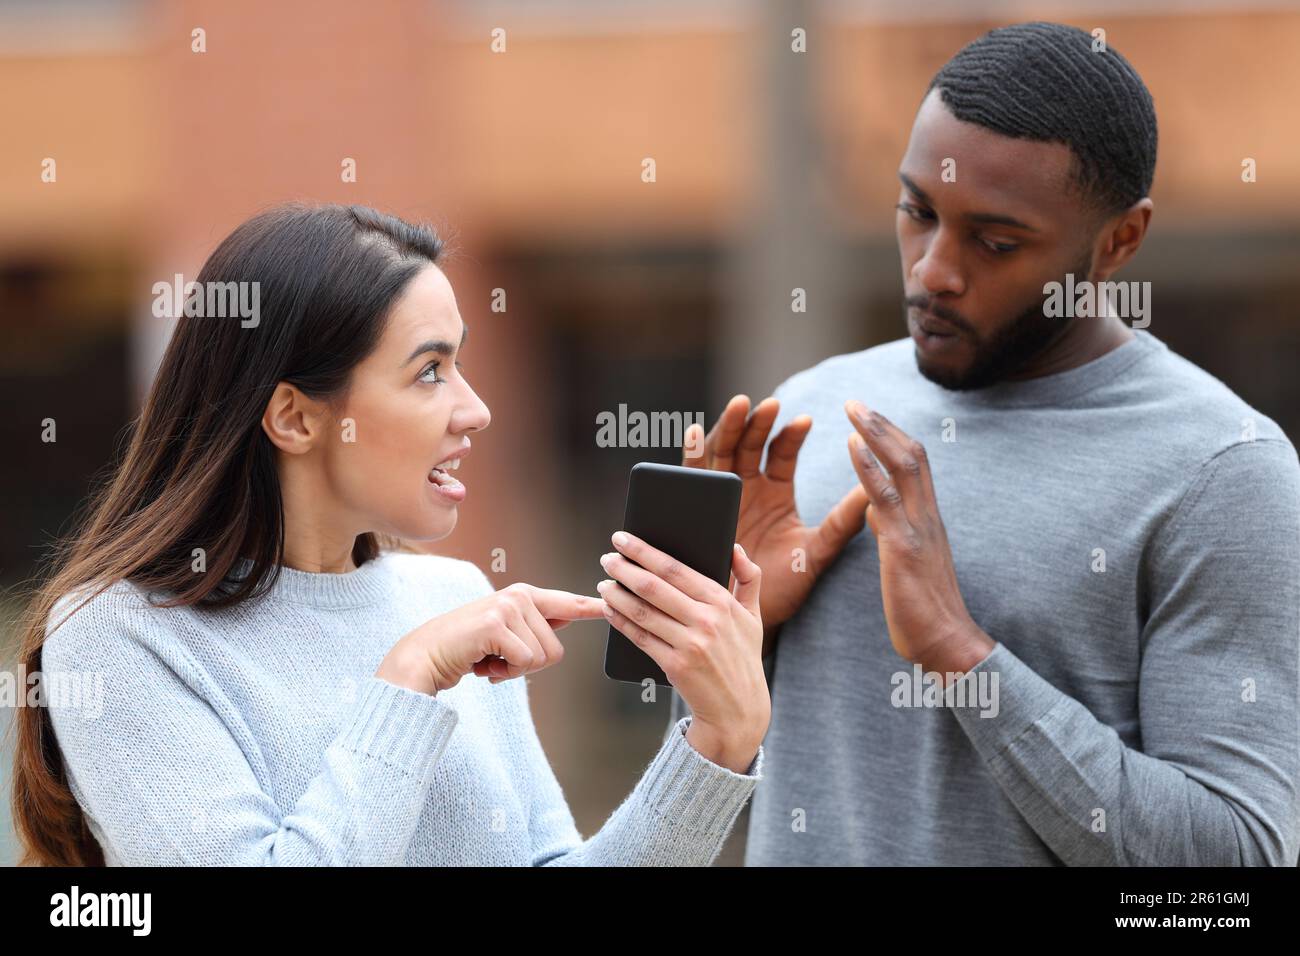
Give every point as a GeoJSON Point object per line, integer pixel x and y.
{"type": "Point", "coordinates": [998, 219]}
{"type": "Point", "coordinates": [913, 188]}
{"type": "Point", "coordinates": [992, 218]}
{"type": "Point", "coordinates": [441, 346]}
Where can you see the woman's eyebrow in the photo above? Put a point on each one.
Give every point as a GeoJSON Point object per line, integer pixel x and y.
{"type": "Point", "coordinates": [441, 346]}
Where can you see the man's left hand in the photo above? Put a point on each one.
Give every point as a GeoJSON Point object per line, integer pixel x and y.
{"type": "Point", "coordinates": [927, 618]}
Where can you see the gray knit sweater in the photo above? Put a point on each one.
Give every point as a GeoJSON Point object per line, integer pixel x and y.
{"type": "Point", "coordinates": [259, 735]}
{"type": "Point", "coordinates": [1128, 531]}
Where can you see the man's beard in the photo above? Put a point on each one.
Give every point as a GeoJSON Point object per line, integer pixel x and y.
{"type": "Point", "coordinates": [1008, 350]}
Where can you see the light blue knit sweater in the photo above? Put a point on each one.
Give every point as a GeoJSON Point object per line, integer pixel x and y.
{"type": "Point", "coordinates": [259, 735]}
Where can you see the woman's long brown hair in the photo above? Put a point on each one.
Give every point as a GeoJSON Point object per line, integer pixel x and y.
{"type": "Point", "coordinates": [199, 472]}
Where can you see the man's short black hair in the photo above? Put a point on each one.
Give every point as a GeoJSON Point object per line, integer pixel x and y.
{"type": "Point", "coordinates": [1042, 81]}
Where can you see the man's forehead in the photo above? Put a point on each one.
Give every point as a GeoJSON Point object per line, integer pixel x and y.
{"type": "Point", "coordinates": [989, 167]}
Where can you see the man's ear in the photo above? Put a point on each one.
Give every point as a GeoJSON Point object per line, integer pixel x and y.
{"type": "Point", "coordinates": [1122, 239]}
{"type": "Point", "coordinates": [292, 421]}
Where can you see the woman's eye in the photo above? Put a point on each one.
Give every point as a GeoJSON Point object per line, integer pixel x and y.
{"type": "Point", "coordinates": [431, 370]}
{"type": "Point", "coordinates": [916, 212]}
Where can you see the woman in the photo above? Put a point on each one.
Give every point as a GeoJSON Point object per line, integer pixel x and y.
{"type": "Point", "coordinates": [281, 684]}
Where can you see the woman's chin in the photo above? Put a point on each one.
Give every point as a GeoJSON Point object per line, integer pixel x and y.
{"type": "Point", "coordinates": [430, 527]}
{"type": "Point", "coordinates": [443, 528]}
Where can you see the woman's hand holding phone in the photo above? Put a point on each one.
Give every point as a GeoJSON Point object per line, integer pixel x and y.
{"type": "Point", "coordinates": [707, 640]}
{"type": "Point", "coordinates": [502, 636]}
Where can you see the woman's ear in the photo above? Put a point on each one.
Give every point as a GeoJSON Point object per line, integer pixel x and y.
{"type": "Point", "coordinates": [292, 421]}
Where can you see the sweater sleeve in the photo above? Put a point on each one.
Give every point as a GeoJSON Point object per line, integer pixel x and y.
{"type": "Point", "coordinates": [679, 813]}
{"type": "Point", "coordinates": [165, 780]}
{"type": "Point", "coordinates": [1215, 781]}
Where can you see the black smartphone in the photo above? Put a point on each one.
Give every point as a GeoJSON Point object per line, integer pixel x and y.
{"type": "Point", "coordinates": [689, 513]}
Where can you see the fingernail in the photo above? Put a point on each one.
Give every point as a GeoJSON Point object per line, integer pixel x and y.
{"type": "Point", "coordinates": [605, 559]}
{"type": "Point", "coordinates": [620, 538]}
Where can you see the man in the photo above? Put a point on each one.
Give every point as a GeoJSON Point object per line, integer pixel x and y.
{"type": "Point", "coordinates": [1094, 657]}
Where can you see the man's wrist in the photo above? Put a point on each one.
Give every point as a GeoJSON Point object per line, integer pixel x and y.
{"type": "Point", "coordinates": [959, 655]}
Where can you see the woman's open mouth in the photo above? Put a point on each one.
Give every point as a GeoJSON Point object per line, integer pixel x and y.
{"type": "Point", "coordinates": [444, 483]}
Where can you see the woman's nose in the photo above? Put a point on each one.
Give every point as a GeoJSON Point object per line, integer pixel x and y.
{"type": "Point", "coordinates": [473, 415]}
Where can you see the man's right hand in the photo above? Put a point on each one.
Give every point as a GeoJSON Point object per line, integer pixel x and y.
{"type": "Point", "coordinates": [770, 529]}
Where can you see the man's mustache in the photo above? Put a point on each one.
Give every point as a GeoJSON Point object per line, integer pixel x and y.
{"type": "Point", "coordinates": [923, 304]}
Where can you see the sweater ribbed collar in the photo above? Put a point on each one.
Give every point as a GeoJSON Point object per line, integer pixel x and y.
{"type": "Point", "coordinates": [1062, 387]}
{"type": "Point", "coordinates": [365, 585]}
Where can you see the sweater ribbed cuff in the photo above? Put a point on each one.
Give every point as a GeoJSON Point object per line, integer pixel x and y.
{"type": "Point", "coordinates": [402, 727]}
{"type": "Point", "coordinates": [1023, 699]}
{"type": "Point", "coordinates": [683, 784]}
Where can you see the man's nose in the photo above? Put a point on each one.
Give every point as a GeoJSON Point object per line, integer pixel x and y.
{"type": "Point", "coordinates": [938, 270]}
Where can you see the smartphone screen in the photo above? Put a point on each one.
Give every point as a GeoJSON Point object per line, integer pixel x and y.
{"type": "Point", "coordinates": [689, 513]}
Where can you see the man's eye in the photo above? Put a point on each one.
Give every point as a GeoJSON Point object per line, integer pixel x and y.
{"type": "Point", "coordinates": [431, 370]}
{"type": "Point", "coordinates": [916, 212]}
{"type": "Point", "coordinates": [998, 248]}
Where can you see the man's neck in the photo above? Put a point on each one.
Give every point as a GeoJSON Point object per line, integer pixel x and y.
{"type": "Point", "coordinates": [1083, 340]}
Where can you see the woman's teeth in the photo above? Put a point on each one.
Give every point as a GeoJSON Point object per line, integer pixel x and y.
{"type": "Point", "coordinates": [441, 476]}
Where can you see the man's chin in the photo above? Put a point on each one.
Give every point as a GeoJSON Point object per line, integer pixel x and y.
{"type": "Point", "coordinates": [955, 378]}
{"type": "Point", "coordinates": [983, 369]}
